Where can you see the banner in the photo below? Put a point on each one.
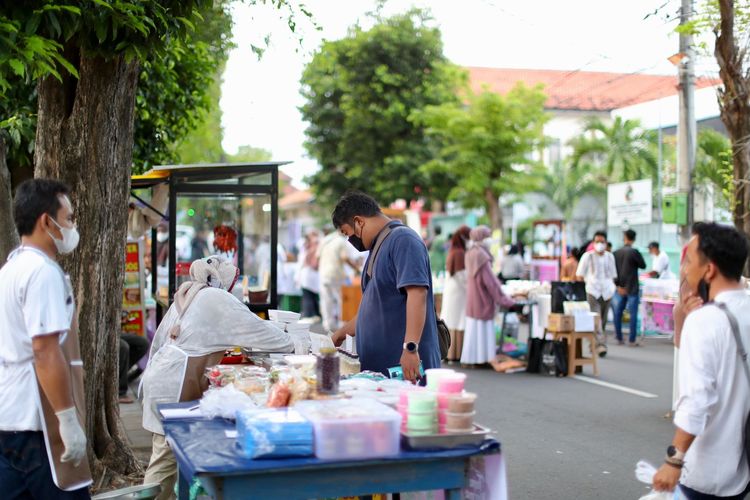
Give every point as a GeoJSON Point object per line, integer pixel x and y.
{"type": "Point", "coordinates": [630, 203]}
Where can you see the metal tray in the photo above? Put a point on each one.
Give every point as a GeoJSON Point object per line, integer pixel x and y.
{"type": "Point", "coordinates": [445, 441]}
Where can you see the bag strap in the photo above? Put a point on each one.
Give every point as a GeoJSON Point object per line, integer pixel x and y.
{"type": "Point", "coordinates": [384, 233]}
{"type": "Point", "coordinates": [736, 332]}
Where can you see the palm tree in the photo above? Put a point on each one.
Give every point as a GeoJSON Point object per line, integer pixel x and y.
{"type": "Point", "coordinates": [622, 151]}
{"type": "Point", "coordinates": [565, 185]}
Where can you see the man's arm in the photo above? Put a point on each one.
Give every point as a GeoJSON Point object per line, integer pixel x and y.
{"type": "Point", "coordinates": [52, 371]}
{"type": "Point", "coordinates": [349, 329]}
{"type": "Point", "coordinates": [416, 312]}
{"type": "Point", "coordinates": [581, 270]}
{"type": "Point", "coordinates": [667, 476]}
{"type": "Point", "coordinates": [639, 260]}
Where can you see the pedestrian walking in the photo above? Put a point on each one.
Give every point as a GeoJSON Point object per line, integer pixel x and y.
{"type": "Point", "coordinates": [597, 269]}
{"type": "Point", "coordinates": [308, 278]}
{"type": "Point", "coordinates": [708, 453]}
{"type": "Point", "coordinates": [628, 261]}
{"type": "Point", "coordinates": [484, 295]}
{"type": "Point", "coordinates": [453, 309]}
{"type": "Point", "coordinates": [334, 254]}
{"type": "Point", "coordinates": [395, 324]}
{"type": "Point", "coordinates": [42, 443]}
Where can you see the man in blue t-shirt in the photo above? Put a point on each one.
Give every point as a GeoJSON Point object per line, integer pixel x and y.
{"type": "Point", "coordinates": [395, 324]}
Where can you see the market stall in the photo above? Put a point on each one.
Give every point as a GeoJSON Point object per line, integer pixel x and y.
{"type": "Point", "coordinates": [226, 209]}
{"type": "Point", "coordinates": [658, 297]}
{"type": "Point", "coordinates": [313, 426]}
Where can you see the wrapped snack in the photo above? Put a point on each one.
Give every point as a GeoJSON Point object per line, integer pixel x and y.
{"type": "Point", "coordinates": [220, 375]}
{"type": "Point", "coordinates": [279, 395]}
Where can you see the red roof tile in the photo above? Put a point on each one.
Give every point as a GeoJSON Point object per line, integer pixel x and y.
{"type": "Point", "coordinates": [583, 90]}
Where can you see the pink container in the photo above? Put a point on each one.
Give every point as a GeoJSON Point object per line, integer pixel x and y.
{"type": "Point", "coordinates": [442, 429]}
{"type": "Point", "coordinates": [443, 401]}
{"type": "Point", "coordinates": [452, 384]}
{"type": "Point", "coordinates": [442, 417]}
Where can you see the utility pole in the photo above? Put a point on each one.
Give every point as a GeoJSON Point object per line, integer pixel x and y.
{"type": "Point", "coordinates": [686, 128]}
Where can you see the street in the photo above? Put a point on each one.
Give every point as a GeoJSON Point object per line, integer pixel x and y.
{"type": "Point", "coordinates": [564, 438]}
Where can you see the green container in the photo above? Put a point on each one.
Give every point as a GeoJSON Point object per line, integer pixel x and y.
{"type": "Point", "coordinates": [669, 209]}
{"type": "Point", "coordinates": [681, 208]}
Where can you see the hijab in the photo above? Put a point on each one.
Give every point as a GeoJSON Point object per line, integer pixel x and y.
{"type": "Point", "coordinates": [478, 255]}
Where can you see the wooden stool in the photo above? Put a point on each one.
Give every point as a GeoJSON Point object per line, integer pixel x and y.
{"type": "Point", "coordinates": [576, 360]}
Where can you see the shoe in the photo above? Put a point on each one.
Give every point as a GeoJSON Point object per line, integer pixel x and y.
{"type": "Point", "coordinates": [125, 400]}
{"type": "Point", "coordinates": [634, 344]}
{"type": "Point", "coordinates": [620, 342]}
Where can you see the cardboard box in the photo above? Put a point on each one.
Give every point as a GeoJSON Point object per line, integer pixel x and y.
{"type": "Point", "coordinates": [557, 322]}
{"type": "Point", "coordinates": [584, 321]}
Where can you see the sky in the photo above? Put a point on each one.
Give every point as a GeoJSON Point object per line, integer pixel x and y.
{"type": "Point", "coordinates": [260, 98]}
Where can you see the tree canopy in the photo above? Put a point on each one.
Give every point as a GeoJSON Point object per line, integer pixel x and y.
{"type": "Point", "coordinates": [360, 92]}
{"type": "Point", "coordinates": [488, 145]}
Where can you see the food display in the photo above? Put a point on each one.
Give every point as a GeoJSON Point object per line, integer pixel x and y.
{"type": "Point", "coordinates": [352, 429]}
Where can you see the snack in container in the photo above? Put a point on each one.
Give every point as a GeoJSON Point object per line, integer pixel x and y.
{"type": "Point", "coordinates": [279, 395]}
{"type": "Point", "coordinates": [328, 371]}
{"type": "Point", "coordinates": [461, 403]}
{"type": "Point", "coordinates": [220, 375]}
{"type": "Point", "coordinates": [352, 429]}
{"type": "Point", "coordinates": [434, 375]}
{"type": "Point", "coordinates": [452, 383]}
{"type": "Point", "coordinates": [459, 422]}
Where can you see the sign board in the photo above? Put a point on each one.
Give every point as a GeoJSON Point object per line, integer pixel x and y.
{"type": "Point", "coordinates": [630, 203]}
{"type": "Point", "coordinates": [133, 301]}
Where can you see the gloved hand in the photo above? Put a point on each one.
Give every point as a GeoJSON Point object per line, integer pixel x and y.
{"type": "Point", "coordinates": [72, 436]}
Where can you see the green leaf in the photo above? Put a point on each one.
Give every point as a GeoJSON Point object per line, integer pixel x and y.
{"type": "Point", "coordinates": [17, 66]}
{"type": "Point", "coordinates": [102, 3]}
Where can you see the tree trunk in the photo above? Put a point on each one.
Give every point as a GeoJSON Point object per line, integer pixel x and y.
{"type": "Point", "coordinates": [735, 111]}
{"type": "Point", "coordinates": [8, 233]}
{"type": "Point", "coordinates": [85, 138]}
{"type": "Point", "coordinates": [493, 209]}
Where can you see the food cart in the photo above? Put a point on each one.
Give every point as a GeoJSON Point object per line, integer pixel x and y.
{"type": "Point", "coordinates": [547, 249]}
{"type": "Point", "coordinates": [226, 209]}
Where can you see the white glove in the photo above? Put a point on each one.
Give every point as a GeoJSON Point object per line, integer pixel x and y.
{"type": "Point", "coordinates": [72, 436]}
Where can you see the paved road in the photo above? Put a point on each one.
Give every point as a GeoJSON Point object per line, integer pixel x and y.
{"type": "Point", "coordinates": [568, 439]}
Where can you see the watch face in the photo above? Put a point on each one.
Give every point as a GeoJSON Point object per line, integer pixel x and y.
{"type": "Point", "coordinates": [411, 346]}
{"type": "Point", "coordinates": [671, 451]}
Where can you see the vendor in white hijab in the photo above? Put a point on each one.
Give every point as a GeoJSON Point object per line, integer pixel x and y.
{"type": "Point", "coordinates": [204, 320]}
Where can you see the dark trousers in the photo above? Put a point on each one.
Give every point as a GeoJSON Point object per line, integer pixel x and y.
{"type": "Point", "coordinates": [692, 494]}
{"type": "Point", "coordinates": [310, 303]}
{"type": "Point", "coordinates": [24, 469]}
{"type": "Point", "coordinates": [132, 349]}
{"type": "Point", "coordinates": [620, 303]}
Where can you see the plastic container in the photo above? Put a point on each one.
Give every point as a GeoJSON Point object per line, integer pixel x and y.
{"type": "Point", "coordinates": [352, 429]}
{"type": "Point", "coordinates": [434, 375]}
{"type": "Point", "coordinates": [452, 383]}
{"type": "Point", "coordinates": [421, 420]}
{"type": "Point", "coordinates": [403, 395]}
{"type": "Point", "coordinates": [328, 371]}
{"type": "Point", "coordinates": [459, 421]}
{"type": "Point", "coordinates": [419, 401]}
{"type": "Point", "coordinates": [282, 432]}
{"type": "Point", "coordinates": [461, 403]}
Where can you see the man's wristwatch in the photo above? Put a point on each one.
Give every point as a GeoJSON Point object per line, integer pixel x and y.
{"type": "Point", "coordinates": [411, 347]}
{"type": "Point", "coordinates": [675, 457]}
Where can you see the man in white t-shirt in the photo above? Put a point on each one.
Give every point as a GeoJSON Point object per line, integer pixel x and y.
{"type": "Point", "coordinates": [334, 255]}
{"type": "Point", "coordinates": [707, 454]}
{"type": "Point", "coordinates": [660, 262]}
{"type": "Point", "coordinates": [597, 269]}
{"type": "Point", "coordinates": [36, 309]}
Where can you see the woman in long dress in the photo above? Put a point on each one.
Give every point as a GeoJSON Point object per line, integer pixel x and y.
{"type": "Point", "coordinates": [453, 311]}
{"type": "Point", "coordinates": [483, 295]}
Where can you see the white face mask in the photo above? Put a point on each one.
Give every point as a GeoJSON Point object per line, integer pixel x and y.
{"type": "Point", "coordinates": [69, 240]}
{"type": "Point", "coordinates": [600, 247]}
{"type": "Point", "coordinates": [162, 237]}
{"type": "Point", "coordinates": [487, 242]}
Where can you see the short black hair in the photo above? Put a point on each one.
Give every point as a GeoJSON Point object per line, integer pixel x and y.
{"type": "Point", "coordinates": [654, 244]}
{"type": "Point", "coordinates": [724, 246]}
{"type": "Point", "coordinates": [629, 234]}
{"type": "Point", "coordinates": [34, 198]}
{"type": "Point", "coordinates": [354, 204]}
{"type": "Point", "coordinates": [600, 233]}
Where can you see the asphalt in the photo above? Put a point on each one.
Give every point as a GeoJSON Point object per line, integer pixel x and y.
{"type": "Point", "coordinates": [567, 439]}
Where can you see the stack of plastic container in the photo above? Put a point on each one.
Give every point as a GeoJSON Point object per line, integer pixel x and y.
{"type": "Point", "coordinates": [277, 432]}
{"type": "Point", "coordinates": [442, 407]}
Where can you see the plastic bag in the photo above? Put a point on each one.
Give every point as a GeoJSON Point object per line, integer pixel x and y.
{"type": "Point", "coordinates": [225, 402]}
{"type": "Point", "coordinates": [644, 472]}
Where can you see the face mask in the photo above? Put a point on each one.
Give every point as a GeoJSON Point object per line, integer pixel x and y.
{"type": "Point", "coordinates": [703, 289]}
{"type": "Point", "coordinates": [487, 242]}
{"type": "Point", "coordinates": [69, 240]}
{"type": "Point", "coordinates": [356, 241]}
{"type": "Point", "coordinates": [600, 247]}
{"type": "Point", "coordinates": [162, 237]}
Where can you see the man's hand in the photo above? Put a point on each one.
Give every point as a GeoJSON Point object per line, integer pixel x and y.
{"type": "Point", "coordinates": [338, 337]}
{"type": "Point", "coordinates": [410, 365]}
{"type": "Point", "coordinates": [72, 436]}
{"type": "Point", "coordinates": [622, 291]}
{"type": "Point", "coordinates": [689, 301]}
{"type": "Point", "coordinates": [666, 478]}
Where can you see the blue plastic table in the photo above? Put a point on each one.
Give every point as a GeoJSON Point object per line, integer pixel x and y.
{"type": "Point", "coordinates": [203, 450]}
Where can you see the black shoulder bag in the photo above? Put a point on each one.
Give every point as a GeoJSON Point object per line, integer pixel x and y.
{"type": "Point", "coordinates": [743, 359]}
{"type": "Point", "coordinates": [443, 334]}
